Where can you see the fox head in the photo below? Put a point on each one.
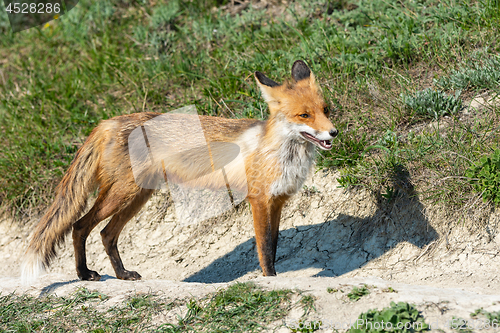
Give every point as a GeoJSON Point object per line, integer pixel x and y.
{"type": "Point", "coordinates": [301, 105]}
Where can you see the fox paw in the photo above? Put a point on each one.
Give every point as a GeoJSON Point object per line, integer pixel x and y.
{"type": "Point", "coordinates": [89, 276]}
{"type": "Point", "coordinates": [128, 275]}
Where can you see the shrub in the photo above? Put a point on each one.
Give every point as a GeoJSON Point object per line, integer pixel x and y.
{"type": "Point", "coordinates": [484, 75]}
{"type": "Point", "coordinates": [431, 103]}
{"type": "Point", "coordinates": [485, 177]}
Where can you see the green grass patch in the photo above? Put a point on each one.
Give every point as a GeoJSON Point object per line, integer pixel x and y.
{"type": "Point", "coordinates": [106, 58]}
{"type": "Point", "coordinates": [242, 307]}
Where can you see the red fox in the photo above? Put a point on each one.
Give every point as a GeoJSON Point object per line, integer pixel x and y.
{"type": "Point", "coordinates": [278, 155]}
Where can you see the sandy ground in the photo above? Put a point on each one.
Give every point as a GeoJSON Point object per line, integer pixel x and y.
{"type": "Point", "coordinates": [329, 238]}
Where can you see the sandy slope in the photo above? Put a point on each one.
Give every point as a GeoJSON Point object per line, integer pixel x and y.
{"type": "Point", "coordinates": [328, 238]}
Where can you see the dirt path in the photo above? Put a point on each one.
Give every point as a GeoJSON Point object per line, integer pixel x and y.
{"type": "Point", "coordinates": [329, 238]}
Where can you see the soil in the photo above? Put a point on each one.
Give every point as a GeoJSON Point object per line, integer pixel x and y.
{"type": "Point", "coordinates": [446, 264]}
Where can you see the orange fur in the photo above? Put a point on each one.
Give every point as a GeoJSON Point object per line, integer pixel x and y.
{"type": "Point", "coordinates": [277, 157]}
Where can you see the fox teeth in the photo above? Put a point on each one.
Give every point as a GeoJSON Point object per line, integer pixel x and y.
{"type": "Point", "coordinates": [326, 143]}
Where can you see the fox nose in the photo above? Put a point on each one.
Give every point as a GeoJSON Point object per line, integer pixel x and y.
{"type": "Point", "coordinates": [334, 132]}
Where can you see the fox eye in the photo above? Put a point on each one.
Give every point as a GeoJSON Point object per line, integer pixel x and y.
{"type": "Point", "coordinates": [326, 110]}
{"type": "Point", "coordinates": [304, 115]}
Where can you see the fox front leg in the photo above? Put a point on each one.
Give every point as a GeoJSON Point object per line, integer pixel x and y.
{"type": "Point", "coordinates": [266, 217]}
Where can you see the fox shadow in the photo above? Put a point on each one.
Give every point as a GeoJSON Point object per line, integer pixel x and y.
{"type": "Point", "coordinates": [51, 288]}
{"type": "Point", "coordinates": [335, 247]}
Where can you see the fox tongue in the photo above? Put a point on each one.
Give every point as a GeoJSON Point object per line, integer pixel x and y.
{"type": "Point", "coordinates": [326, 144]}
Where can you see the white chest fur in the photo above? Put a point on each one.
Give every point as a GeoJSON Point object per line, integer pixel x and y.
{"type": "Point", "coordinates": [295, 158]}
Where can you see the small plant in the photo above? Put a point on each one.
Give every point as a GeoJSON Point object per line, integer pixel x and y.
{"type": "Point", "coordinates": [310, 190]}
{"type": "Point", "coordinates": [431, 103]}
{"type": "Point", "coordinates": [485, 177]}
{"type": "Point", "coordinates": [492, 317]}
{"type": "Point", "coordinates": [347, 180]}
{"type": "Point", "coordinates": [484, 75]}
{"type": "Point", "coordinates": [398, 318]}
{"type": "Point", "coordinates": [356, 293]}
{"type": "Point", "coordinates": [165, 15]}
{"type": "Point", "coordinates": [389, 290]}
{"type": "Point", "coordinates": [390, 193]}
{"type": "Point", "coordinates": [331, 290]}
{"type": "Point", "coordinates": [389, 143]}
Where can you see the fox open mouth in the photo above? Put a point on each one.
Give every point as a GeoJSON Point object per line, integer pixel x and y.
{"type": "Point", "coordinates": [323, 144]}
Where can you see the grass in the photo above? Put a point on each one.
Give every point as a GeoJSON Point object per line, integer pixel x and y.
{"type": "Point", "coordinates": [242, 307]}
{"type": "Point", "coordinates": [307, 303]}
{"type": "Point", "coordinates": [105, 58]}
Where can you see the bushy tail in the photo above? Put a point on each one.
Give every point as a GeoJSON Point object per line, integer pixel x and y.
{"type": "Point", "coordinates": [69, 204]}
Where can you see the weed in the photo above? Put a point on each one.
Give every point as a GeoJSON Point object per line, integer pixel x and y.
{"type": "Point", "coordinates": [389, 290]}
{"type": "Point", "coordinates": [401, 317]}
{"type": "Point", "coordinates": [430, 103]}
{"type": "Point", "coordinates": [477, 75]}
{"type": "Point", "coordinates": [390, 193]}
{"type": "Point", "coordinates": [492, 318]}
{"type": "Point", "coordinates": [390, 164]}
{"type": "Point", "coordinates": [310, 190]}
{"type": "Point", "coordinates": [356, 293]}
{"type": "Point", "coordinates": [331, 290]}
{"type": "Point", "coordinates": [485, 177]}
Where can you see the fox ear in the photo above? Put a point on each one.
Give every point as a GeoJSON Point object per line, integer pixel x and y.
{"type": "Point", "coordinates": [266, 86]}
{"type": "Point", "coordinates": [300, 72]}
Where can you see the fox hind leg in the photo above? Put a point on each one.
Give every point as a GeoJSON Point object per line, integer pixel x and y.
{"type": "Point", "coordinates": [112, 231]}
{"type": "Point", "coordinates": [109, 201]}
